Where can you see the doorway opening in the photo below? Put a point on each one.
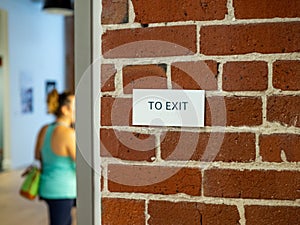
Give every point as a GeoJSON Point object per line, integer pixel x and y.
{"type": "Point", "coordinates": [1, 113]}
{"type": "Point", "coordinates": [4, 93]}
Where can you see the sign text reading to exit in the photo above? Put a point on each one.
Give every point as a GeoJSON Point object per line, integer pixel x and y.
{"type": "Point", "coordinates": [158, 105]}
{"type": "Point", "coordinates": [168, 107]}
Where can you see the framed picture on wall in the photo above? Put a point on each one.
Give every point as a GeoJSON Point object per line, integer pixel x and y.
{"type": "Point", "coordinates": [26, 92]}
{"type": "Point", "coordinates": [49, 86]}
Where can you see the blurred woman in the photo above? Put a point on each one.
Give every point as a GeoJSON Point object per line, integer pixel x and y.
{"type": "Point", "coordinates": [55, 148]}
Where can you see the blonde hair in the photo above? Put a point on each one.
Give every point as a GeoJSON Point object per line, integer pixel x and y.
{"type": "Point", "coordinates": [55, 101]}
{"type": "Point", "coordinates": [52, 101]}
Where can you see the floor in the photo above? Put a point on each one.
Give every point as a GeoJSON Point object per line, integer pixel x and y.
{"type": "Point", "coordinates": [15, 209]}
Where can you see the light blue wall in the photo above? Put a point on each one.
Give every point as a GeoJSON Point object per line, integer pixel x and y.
{"type": "Point", "coordinates": [36, 50]}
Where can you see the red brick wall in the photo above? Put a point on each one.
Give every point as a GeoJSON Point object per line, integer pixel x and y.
{"type": "Point", "coordinates": [243, 166]}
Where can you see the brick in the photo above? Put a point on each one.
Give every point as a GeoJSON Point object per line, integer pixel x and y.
{"type": "Point", "coordinates": [286, 75]}
{"type": "Point", "coordinates": [272, 146]}
{"type": "Point", "coordinates": [226, 147]}
{"type": "Point", "coordinates": [249, 38]}
{"type": "Point", "coordinates": [245, 76]}
{"type": "Point", "coordinates": [259, 9]}
{"type": "Point", "coordinates": [116, 111]}
{"type": "Point", "coordinates": [144, 77]}
{"type": "Point", "coordinates": [200, 75]}
{"type": "Point", "coordinates": [233, 111]}
{"type": "Point", "coordinates": [157, 11]}
{"type": "Point", "coordinates": [116, 211]}
{"type": "Point", "coordinates": [267, 215]}
{"type": "Point", "coordinates": [253, 184]}
{"type": "Point", "coordinates": [191, 213]}
{"type": "Point", "coordinates": [127, 145]}
{"type": "Point", "coordinates": [149, 42]}
{"type": "Point", "coordinates": [155, 180]}
{"type": "Point", "coordinates": [108, 73]}
{"type": "Point", "coordinates": [284, 110]}
{"type": "Point", "coordinates": [114, 12]}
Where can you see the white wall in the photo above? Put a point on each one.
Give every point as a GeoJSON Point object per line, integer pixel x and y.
{"type": "Point", "coordinates": [36, 50]}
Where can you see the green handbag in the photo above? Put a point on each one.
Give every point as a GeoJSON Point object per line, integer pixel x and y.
{"type": "Point", "coordinates": [30, 185]}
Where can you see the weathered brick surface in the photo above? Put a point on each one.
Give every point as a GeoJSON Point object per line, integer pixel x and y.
{"type": "Point", "coordinates": [114, 12]}
{"type": "Point", "coordinates": [144, 76]}
{"type": "Point", "coordinates": [191, 213]}
{"type": "Point", "coordinates": [149, 42]}
{"type": "Point", "coordinates": [156, 11]}
{"type": "Point", "coordinates": [226, 48]}
{"type": "Point", "coordinates": [117, 211]}
{"type": "Point", "coordinates": [267, 215]}
{"type": "Point", "coordinates": [200, 75]}
{"type": "Point", "coordinates": [286, 75]}
{"type": "Point", "coordinates": [156, 180]}
{"type": "Point", "coordinates": [255, 184]}
{"type": "Point", "coordinates": [254, 9]}
{"type": "Point", "coordinates": [242, 39]}
{"type": "Point", "coordinates": [284, 109]}
{"type": "Point", "coordinates": [272, 146]}
{"type": "Point", "coordinates": [226, 147]}
{"type": "Point", "coordinates": [116, 111]}
{"type": "Point", "coordinates": [233, 111]}
{"type": "Point", "coordinates": [108, 73]}
{"type": "Point", "coordinates": [245, 76]}
{"type": "Point", "coordinates": [127, 145]}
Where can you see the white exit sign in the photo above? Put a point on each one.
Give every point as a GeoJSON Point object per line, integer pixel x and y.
{"type": "Point", "coordinates": [168, 107]}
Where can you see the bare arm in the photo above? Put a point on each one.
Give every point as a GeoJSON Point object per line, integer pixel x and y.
{"type": "Point", "coordinates": [39, 143]}
{"type": "Point", "coordinates": [71, 143]}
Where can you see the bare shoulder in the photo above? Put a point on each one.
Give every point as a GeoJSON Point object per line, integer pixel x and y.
{"type": "Point", "coordinates": [66, 131]}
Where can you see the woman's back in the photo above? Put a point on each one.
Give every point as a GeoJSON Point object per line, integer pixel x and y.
{"type": "Point", "coordinates": [58, 179]}
{"type": "Point", "coordinates": [56, 149]}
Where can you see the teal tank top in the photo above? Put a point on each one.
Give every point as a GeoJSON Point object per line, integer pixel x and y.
{"type": "Point", "coordinates": [58, 178]}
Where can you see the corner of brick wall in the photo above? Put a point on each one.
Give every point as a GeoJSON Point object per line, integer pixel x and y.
{"type": "Point", "coordinates": [243, 166]}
